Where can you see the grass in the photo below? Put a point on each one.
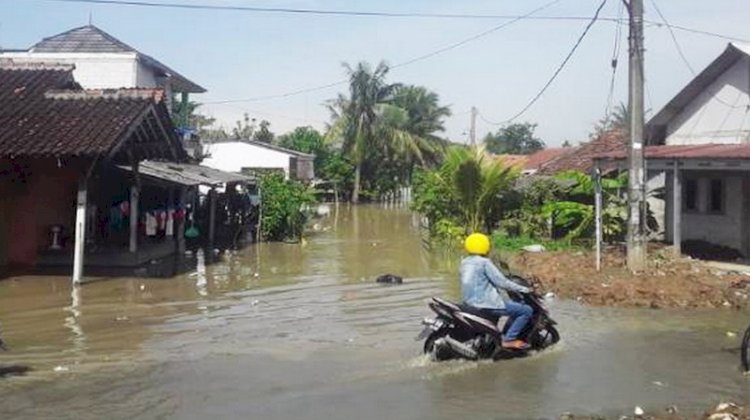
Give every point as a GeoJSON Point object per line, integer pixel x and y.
{"type": "Point", "coordinates": [517, 243]}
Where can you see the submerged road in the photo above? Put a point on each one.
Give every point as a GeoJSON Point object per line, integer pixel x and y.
{"type": "Point", "coordinates": [281, 331]}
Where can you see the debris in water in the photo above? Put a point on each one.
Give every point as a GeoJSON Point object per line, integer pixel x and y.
{"type": "Point", "coordinates": [534, 248]}
{"type": "Point", "coordinates": [725, 406]}
{"type": "Point", "coordinates": [349, 340]}
{"type": "Point", "coordinates": [256, 275]}
{"type": "Point", "coordinates": [731, 334]}
{"type": "Point", "coordinates": [255, 302]}
{"type": "Point", "coordinates": [121, 318]}
{"type": "Point", "coordinates": [389, 279]}
{"type": "Point", "coordinates": [61, 369]}
{"type": "Point", "coordinates": [659, 383]}
{"type": "Point", "coordinates": [638, 411]}
{"type": "Point", "coordinates": [142, 287]}
{"type": "Point", "coordinates": [722, 416]}
{"type": "Point", "coordinates": [672, 409]}
{"type": "Point", "coordinates": [549, 295]}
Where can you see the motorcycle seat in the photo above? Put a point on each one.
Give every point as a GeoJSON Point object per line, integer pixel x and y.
{"type": "Point", "coordinates": [480, 312]}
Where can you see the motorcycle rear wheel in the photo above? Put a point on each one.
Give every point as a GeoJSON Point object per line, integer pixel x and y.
{"type": "Point", "coordinates": [439, 353]}
{"type": "Point", "coordinates": [545, 337]}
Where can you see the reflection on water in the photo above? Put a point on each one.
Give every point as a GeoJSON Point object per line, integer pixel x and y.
{"type": "Point", "coordinates": [302, 330]}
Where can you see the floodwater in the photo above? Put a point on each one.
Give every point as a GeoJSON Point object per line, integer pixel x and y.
{"type": "Point", "coordinates": [282, 331]}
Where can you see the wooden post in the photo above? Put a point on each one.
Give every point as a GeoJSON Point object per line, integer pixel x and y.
{"type": "Point", "coordinates": [135, 194]}
{"type": "Point", "coordinates": [211, 218]}
{"type": "Point", "coordinates": [80, 234]}
{"type": "Point", "coordinates": [180, 228]}
{"type": "Point", "coordinates": [677, 209]}
{"type": "Point", "coordinates": [598, 214]}
{"type": "Point", "coordinates": [134, 198]}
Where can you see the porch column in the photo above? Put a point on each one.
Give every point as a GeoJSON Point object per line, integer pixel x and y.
{"type": "Point", "coordinates": [677, 209]}
{"type": "Point", "coordinates": [598, 213]}
{"type": "Point", "coordinates": [180, 228]}
{"type": "Point", "coordinates": [80, 234]}
{"type": "Point", "coordinates": [134, 198]}
{"type": "Point", "coordinates": [211, 217]}
{"type": "Point", "coordinates": [135, 194]}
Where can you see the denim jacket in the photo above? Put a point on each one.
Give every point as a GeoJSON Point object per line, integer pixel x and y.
{"type": "Point", "coordinates": [483, 285]}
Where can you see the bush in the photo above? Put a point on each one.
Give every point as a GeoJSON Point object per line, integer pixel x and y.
{"type": "Point", "coordinates": [282, 204]}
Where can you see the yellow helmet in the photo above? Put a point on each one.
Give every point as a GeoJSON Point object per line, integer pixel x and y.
{"type": "Point", "coordinates": [478, 244]}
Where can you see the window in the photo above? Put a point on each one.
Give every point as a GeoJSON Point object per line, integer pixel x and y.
{"type": "Point", "coordinates": [690, 195]}
{"type": "Point", "coordinates": [716, 196]}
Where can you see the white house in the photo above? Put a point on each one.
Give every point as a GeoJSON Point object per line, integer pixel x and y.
{"type": "Point", "coordinates": [103, 62]}
{"type": "Point", "coordinates": [701, 141]}
{"type": "Point", "coordinates": [245, 156]}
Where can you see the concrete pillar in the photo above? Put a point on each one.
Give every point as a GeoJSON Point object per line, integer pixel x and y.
{"type": "Point", "coordinates": [598, 214]}
{"type": "Point", "coordinates": [80, 231]}
{"type": "Point", "coordinates": [677, 209]}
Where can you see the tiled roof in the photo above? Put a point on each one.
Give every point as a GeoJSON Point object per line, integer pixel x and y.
{"type": "Point", "coordinates": [40, 118]}
{"type": "Point", "coordinates": [513, 160]}
{"type": "Point", "coordinates": [90, 39]}
{"type": "Point", "coordinates": [84, 39]}
{"type": "Point", "coordinates": [537, 159]}
{"type": "Point", "coordinates": [698, 151]}
{"type": "Point", "coordinates": [581, 158]}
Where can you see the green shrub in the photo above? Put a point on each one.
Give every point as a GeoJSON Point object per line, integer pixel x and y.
{"type": "Point", "coordinates": [282, 208]}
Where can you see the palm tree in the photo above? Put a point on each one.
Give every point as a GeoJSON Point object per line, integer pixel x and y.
{"type": "Point", "coordinates": [385, 128]}
{"type": "Point", "coordinates": [359, 112]}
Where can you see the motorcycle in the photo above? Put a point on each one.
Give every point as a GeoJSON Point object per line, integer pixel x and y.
{"type": "Point", "coordinates": [465, 332]}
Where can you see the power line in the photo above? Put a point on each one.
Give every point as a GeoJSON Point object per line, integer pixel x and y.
{"type": "Point", "coordinates": [324, 12]}
{"type": "Point", "coordinates": [404, 63]}
{"type": "Point", "coordinates": [559, 68]}
{"type": "Point", "coordinates": [614, 62]}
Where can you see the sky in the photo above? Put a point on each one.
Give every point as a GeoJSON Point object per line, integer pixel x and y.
{"type": "Point", "coordinates": [239, 55]}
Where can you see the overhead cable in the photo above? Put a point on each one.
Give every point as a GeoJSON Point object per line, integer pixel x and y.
{"type": "Point", "coordinates": [401, 64]}
{"type": "Point", "coordinates": [559, 68]}
{"type": "Point", "coordinates": [324, 12]}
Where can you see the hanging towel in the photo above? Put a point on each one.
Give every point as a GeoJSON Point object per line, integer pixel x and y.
{"type": "Point", "coordinates": [169, 231]}
{"type": "Point", "coordinates": [151, 224]}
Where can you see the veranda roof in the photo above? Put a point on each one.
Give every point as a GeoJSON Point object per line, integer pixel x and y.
{"type": "Point", "coordinates": [188, 175]}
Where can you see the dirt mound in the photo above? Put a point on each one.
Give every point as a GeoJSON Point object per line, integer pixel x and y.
{"type": "Point", "coordinates": [667, 283]}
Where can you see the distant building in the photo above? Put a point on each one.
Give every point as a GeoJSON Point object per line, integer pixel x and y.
{"type": "Point", "coordinates": [103, 62]}
{"type": "Point", "coordinates": [245, 156]}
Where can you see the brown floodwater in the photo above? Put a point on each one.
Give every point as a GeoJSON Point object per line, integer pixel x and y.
{"type": "Point", "coordinates": [281, 331]}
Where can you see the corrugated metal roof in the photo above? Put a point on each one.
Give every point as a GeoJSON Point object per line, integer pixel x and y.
{"type": "Point", "coordinates": [187, 174]}
{"type": "Point", "coordinates": [699, 151]}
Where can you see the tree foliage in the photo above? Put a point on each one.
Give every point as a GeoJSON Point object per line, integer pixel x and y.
{"type": "Point", "coordinates": [385, 129]}
{"type": "Point", "coordinates": [282, 207]}
{"type": "Point", "coordinates": [263, 134]}
{"type": "Point", "coordinates": [514, 139]}
{"type": "Point", "coordinates": [468, 190]}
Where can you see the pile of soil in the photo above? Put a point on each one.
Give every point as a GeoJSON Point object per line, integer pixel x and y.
{"type": "Point", "coordinates": [667, 283]}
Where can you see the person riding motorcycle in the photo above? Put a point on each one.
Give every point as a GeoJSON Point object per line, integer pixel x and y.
{"type": "Point", "coordinates": [484, 287]}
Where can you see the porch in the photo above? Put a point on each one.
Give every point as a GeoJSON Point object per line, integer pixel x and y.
{"type": "Point", "coordinates": [706, 193]}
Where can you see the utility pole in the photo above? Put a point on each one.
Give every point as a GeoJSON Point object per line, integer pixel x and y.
{"type": "Point", "coordinates": [636, 240]}
{"type": "Point", "coordinates": [473, 130]}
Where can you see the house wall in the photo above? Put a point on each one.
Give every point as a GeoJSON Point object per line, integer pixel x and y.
{"type": "Point", "coordinates": [145, 77]}
{"type": "Point", "coordinates": [718, 114]}
{"type": "Point", "coordinates": [47, 197]}
{"type": "Point", "coordinates": [234, 156]}
{"type": "Point", "coordinates": [727, 228]}
{"type": "Point", "coordinates": [305, 169]}
{"type": "Point", "coordinates": [92, 71]}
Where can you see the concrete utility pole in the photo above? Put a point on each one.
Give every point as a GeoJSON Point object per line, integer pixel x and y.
{"type": "Point", "coordinates": [473, 130]}
{"type": "Point", "coordinates": [636, 240]}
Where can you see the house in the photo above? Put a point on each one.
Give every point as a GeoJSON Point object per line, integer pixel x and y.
{"type": "Point", "coordinates": [90, 178]}
{"type": "Point", "coordinates": [246, 156]}
{"type": "Point", "coordinates": [101, 61]}
{"type": "Point", "coordinates": [700, 143]}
